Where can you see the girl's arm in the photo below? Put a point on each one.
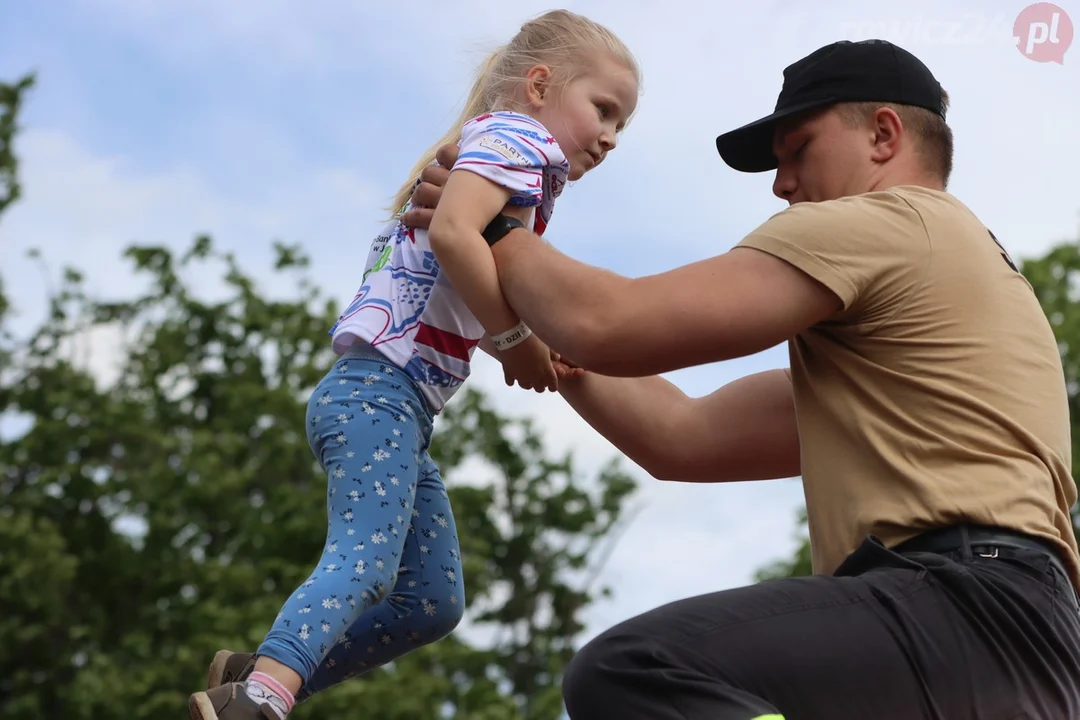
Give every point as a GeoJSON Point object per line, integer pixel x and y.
{"type": "Point", "coordinates": [468, 204]}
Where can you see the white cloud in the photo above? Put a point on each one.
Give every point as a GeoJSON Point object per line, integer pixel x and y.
{"type": "Point", "coordinates": [703, 76]}
{"type": "Point", "coordinates": [83, 209]}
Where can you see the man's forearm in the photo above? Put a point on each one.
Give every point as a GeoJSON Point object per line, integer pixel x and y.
{"type": "Point", "coordinates": [639, 416]}
{"type": "Point", "coordinates": [745, 430]}
{"type": "Point", "coordinates": [571, 305]}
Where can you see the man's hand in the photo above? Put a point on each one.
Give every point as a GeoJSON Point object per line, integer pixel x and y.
{"type": "Point", "coordinates": [564, 368]}
{"type": "Point", "coordinates": [428, 193]}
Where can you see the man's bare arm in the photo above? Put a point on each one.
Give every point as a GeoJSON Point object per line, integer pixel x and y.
{"type": "Point", "coordinates": [733, 305]}
{"type": "Point", "coordinates": [746, 430]}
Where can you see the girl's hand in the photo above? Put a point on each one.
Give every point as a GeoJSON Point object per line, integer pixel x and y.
{"type": "Point", "coordinates": [529, 363]}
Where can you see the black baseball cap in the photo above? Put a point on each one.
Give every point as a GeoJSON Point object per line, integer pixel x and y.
{"type": "Point", "coordinates": [845, 71]}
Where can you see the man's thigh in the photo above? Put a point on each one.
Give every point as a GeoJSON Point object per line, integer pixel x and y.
{"type": "Point", "coordinates": [890, 643]}
{"type": "Point", "coordinates": [818, 647]}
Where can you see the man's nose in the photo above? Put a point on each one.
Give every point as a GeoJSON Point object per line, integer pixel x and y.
{"type": "Point", "coordinates": [784, 184]}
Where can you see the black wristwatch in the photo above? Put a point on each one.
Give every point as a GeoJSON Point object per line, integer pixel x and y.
{"type": "Point", "coordinates": [499, 227]}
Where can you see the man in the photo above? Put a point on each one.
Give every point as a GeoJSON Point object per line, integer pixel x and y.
{"type": "Point", "coordinates": [925, 409]}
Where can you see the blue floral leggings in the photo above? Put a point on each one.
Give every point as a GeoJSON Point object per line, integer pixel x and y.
{"type": "Point", "coordinates": [389, 580]}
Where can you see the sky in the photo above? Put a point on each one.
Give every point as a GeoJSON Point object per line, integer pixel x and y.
{"type": "Point", "coordinates": [267, 120]}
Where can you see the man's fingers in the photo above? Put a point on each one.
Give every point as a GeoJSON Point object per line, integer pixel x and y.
{"type": "Point", "coordinates": [427, 195]}
{"type": "Point", "coordinates": [564, 371]}
{"type": "Point", "coordinates": [424, 198]}
{"type": "Point", "coordinates": [447, 155]}
{"type": "Point", "coordinates": [434, 175]}
{"type": "Point", "coordinates": [418, 217]}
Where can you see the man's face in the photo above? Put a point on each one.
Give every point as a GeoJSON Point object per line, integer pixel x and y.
{"type": "Point", "coordinates": [822, 157]}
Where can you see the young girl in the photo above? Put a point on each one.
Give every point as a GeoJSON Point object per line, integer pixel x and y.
{"type": "Point", "coordinates": [545, 109]}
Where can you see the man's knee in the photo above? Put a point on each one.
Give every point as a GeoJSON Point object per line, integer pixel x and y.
{"type": "Point", "coordinates": [579, 683]}
{"type": "Point", "coordinates": [607, 663]}
{"type": "Point", "coordinates": [633, 671]}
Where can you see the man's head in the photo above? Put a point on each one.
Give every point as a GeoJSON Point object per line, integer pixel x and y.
{"type": "Point", "coordinates": [851, 118]}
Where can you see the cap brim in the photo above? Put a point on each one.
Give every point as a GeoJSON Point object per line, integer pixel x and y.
{"type": "Point", "coordinates": [750, 148]}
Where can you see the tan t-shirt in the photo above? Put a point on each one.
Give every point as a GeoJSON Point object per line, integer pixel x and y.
{"type": "Point", "coordinates": [937, 394]}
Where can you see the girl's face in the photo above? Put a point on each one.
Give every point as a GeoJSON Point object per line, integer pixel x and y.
{"type": "Point", "coordinates": [585, 115]}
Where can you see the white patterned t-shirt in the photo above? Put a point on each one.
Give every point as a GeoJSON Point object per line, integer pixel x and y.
{"type": "Point", "coordinates": [405, 307]}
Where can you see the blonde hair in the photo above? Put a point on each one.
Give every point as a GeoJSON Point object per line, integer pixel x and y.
{"type": "Point", "coordinates": [562, 40]}
{"type": "Point", "coordinates": [932, 134]}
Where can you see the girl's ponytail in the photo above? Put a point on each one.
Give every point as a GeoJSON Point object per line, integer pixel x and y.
{"type": "Point", "coordinates": [478, 102]}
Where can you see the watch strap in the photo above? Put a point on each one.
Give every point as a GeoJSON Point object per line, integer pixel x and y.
{"type": "Point", "coordinates": [499, 227]}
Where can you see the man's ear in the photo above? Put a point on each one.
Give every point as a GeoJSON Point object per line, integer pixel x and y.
{"type": "Point", "coordinates": [537, 85]}
{"type": "Point", "coordinates": [888, 131]}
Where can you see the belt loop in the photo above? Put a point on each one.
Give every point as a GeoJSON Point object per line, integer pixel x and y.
{"type": "Point", "coordinates": [965, 543]}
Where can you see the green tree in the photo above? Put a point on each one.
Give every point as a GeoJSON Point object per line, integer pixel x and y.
{"type": "Point", "coordinates": [1054, 277]}
{"type": "Point", "coordinates": [148, 520]}
{"type": "Point", "coordinates": [798, 564]}
{"type": "Point", "coordinates": [11, 100]}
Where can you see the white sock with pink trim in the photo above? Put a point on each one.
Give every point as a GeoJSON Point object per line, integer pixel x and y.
{"type": "Point", "coordinates": [262, 688]}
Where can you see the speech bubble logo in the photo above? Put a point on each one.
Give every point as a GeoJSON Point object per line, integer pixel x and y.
{"type": "Point", "coordinates": [1043, 32]}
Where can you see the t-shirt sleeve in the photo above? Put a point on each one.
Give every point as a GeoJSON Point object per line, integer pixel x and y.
{"type": "Point", "coordinates": [871, 250]}
{"type": "Point", "coordinates": [510, 150]}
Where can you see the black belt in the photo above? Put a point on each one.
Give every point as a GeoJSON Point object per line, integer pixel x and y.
{"type": "Point", "coordinates": [981, 541]}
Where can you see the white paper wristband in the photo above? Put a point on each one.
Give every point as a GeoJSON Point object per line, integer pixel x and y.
{"type": "Point", "coordinates": [515, 335]}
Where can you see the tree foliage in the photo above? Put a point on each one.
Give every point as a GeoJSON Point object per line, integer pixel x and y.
{"type": "Point", "coordinates": [161, 503]}
{"type": "Point", "coordinates": [11, 100]}
{"type": "Point", "coordinates": [798, 564]}
{"type": "Point", "coordinates": [1055, 278]}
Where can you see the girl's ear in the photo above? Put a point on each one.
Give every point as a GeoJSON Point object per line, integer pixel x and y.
{"type": "Point", "coordinates": [537, 85]}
